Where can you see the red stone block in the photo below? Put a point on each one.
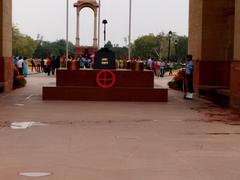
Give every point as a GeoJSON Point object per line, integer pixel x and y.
{"type": "Point", "coordinates": [82, 85]}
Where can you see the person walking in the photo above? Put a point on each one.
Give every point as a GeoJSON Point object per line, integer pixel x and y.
{"type": "Point", "coordinates": [170, 68]}
{"type": "Point", "coordinates": [33, 65]}
{"type": "Point", "coordinates": [155, 67]}
{"type": "Point", "coordinates": [53, 65]}
{"type": "Point", "coordinates": [58, 62]}
{"type": "Point", "coordinates": [42, 65]}
{"type": "Point", "coordinates": [48, 65]}
{"type": "Point", "coordinates": [25, 67]}
{"type": "Point", "coordinates": [38, 64]}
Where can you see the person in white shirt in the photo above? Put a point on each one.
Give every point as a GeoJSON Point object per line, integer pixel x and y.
{"type": "Point", "coordinates": [162, 68]}
{"type": "Point", "coordinates": [20, 65]}
{"type": "Point", "coordinates": [149, 63]}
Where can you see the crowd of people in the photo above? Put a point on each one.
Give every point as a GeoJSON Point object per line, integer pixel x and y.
{"type": "Point", "coordinates": [21, 63]}
{"type": "Point", "coordinates": [50, 64]}
{"type": "Point", "coordinates": [159, 66]}
{"type": "Point", "coordinates": [47, 65]}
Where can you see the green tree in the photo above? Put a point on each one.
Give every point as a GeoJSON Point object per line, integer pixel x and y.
{"type": "Point", "coordinates": [22, 45]}
{"type": "Point", "coordinates": [42, 50]}
{"type": "Point", "coordinates": [109, 45]}
{"type": "Point", "coordinates": [120, 52]}
{"type": "Point", "coordinates": [158, 46]}
{"type": "Point", "coordinates": [145, 45]}
{"type": "Point", "coordinates": [181, 48]}
{"type": "Point", "coordinates": [57, 48]}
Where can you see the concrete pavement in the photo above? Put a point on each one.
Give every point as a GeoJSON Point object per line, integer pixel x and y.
{"type": "Point", "coordinates": [178, 140]}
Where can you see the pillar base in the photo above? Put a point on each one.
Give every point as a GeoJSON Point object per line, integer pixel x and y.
{"type": "Point", "coordinates": [84, 50]}
{"type": "Point", "coordinates": [6, 74]}
{"type": "Point", "coordinates": [212, 81]}
{"type": "Point", "coordinates": [235, 85]}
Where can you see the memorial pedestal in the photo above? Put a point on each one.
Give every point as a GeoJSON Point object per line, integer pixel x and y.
{"type": "Point", "coordinates": [82, 85]}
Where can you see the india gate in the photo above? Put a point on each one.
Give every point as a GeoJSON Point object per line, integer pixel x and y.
{"type": "Point", "coordinates": [79, 5]}
{"type": "Point", "coordinates": [214, 42]}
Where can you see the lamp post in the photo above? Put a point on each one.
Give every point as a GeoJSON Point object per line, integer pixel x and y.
{"type": "Point", "coordinates": [169, 43]}
{"type": "Point", "coordinates": [67, 33]}
{"type": "Point", "coordinates": [160, 41]}
{"type": "Point", "coordinates": [99, 20]}
{"type": "Point", "coordinates": [176, 50]}
{"type": "Point", "coordinates": [104, 23]}
{"type": "Point", "coordinates": [130, 29]}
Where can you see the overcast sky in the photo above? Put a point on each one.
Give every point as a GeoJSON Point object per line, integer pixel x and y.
{"type": "Point", "coordinates": [48, 18]}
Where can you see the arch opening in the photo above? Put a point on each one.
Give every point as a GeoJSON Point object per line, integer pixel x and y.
{"type": "Point", "coordinates": [86, 26]}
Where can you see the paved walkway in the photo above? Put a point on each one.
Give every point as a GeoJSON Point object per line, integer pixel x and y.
{"type": "Point", "coordinates": [178, 140]}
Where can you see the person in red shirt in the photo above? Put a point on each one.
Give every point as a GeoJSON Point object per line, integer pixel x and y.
{"type": "Point", "coordinates": [48, 66]}
{"type": "Point", "coordinates": [155, 67]}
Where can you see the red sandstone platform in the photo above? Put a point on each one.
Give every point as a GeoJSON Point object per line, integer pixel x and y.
{"type": "Point", "coordinates": [81, 85]}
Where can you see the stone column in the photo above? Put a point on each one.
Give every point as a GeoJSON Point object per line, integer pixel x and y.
{"type": "Point", "coordinates": [195, 37]}
{"type": "Point", "coordinates": [77, 30]}
{"type": "Point", "coordinates": [235, 65]}
{"type": "Point", "coordinates": [6, 65]}
{"type": "Point", "coordinates": [95, 29]}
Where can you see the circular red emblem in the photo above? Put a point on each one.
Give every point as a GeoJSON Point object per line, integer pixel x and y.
{"type": "Point", "coordinates": [106, 79]}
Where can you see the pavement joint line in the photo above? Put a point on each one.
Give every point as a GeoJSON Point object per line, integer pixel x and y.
{"type": "Point", "coordinates": [27, 98]}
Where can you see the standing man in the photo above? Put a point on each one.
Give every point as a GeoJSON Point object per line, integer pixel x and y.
{"type": "Point", "coordinates": [189, 78]}
{"type": "Point", "coordinates": [42, 64]}
{"type": "Point", "coordinates": [20, 65]}
{"type": "Point", "coordinates": [25, 67]}
{"type": "Point", "coordinates": [170, 68]}
{"type": "Point", "coordinates": [162, 68]}
{"type": "Point", "coordinates": [149, 63]}
{"type": "Point", "coordinates": [49, 65]}
{"type": "Point", "coordinates": [53, 65]}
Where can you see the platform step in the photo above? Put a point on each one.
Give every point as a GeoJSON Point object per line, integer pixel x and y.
{"type": "Point", "coordinates": [100, 94]}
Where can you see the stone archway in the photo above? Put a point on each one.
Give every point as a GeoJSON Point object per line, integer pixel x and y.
{"type": "Point", "coordinates": [214, 42]}
{"type": "Point", "coordinates": [79, 5]}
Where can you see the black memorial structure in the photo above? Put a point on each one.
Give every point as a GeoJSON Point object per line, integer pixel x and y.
{"type": "Point", "coordinates": [104, 59]}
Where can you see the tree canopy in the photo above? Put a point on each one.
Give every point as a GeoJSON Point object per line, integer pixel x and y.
{"type": "Point", "coordinates": [22, 45]}
{"type": "Point", "coordinates": [157, 46]}
{"type": "Point", "coordinates": [57, 48]}
{"type": "Point", "coordinates": [120, 52]}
